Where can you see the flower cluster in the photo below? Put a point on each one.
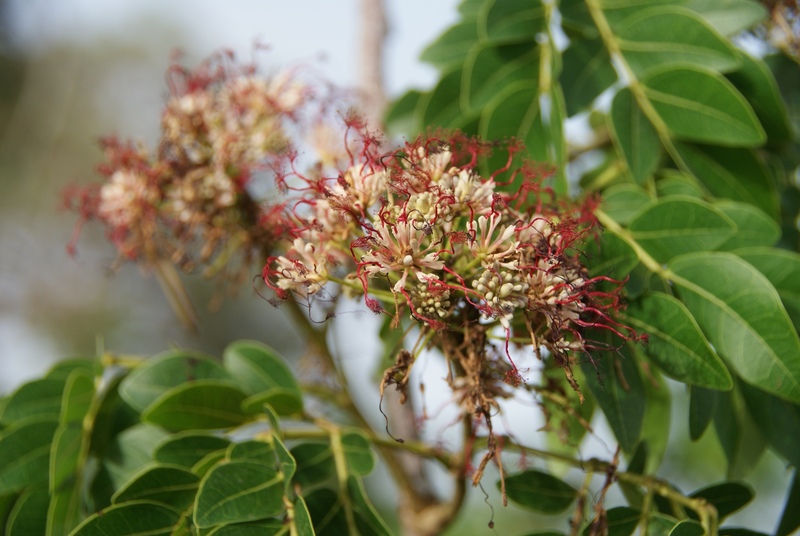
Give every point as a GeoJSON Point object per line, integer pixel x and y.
{"type": "Point", "coordinates": [417, 231]}
{"type": "Point", "coordinates": [421, 230]}
{"type": "Point", "coordinates": [188, 201]}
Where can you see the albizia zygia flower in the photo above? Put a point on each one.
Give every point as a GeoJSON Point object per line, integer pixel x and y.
{"type": "Point", "coordinates": [187, 202]}
{"type": "Point", "coordinates": [420, 231]}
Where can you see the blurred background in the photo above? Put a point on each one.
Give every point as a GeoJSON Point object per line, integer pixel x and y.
{"type": "Point", "coordinates": [74, 70]}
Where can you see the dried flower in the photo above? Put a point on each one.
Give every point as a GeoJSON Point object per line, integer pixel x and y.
{"type": "Point", "coordinates": [189, 202]}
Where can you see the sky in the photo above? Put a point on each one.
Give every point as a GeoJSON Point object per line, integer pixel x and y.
{"type": "Point", "coordinates": [295, 31]}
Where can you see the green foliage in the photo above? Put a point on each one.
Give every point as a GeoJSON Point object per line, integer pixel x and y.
{"type": "Point", "coordinates": [206, 461]}
{"type": "Point", "coordinates": [695, 156]}
{"type": "Point", "coordinates": [540, 492]}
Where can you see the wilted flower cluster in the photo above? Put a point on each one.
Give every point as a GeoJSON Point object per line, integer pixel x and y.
{"type": "Point", "coordinates": [187, 202]}
{"type": "Point", "coordinates": [422, 231]}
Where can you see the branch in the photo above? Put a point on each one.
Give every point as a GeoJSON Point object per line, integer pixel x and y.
{"type": "Point", "coordinates": [373, 37]}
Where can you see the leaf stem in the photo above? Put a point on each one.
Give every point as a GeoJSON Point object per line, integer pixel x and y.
{"type": "Point", "coordinates": [636, 86]}
{"type": "Point", "coordinates": [649, 262]}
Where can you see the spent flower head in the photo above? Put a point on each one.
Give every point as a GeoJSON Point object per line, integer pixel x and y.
{"type": "Point", "coordinates": [189, 201]}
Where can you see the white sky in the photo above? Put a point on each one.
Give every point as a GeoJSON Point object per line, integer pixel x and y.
{"type": "Point", "coordinates": [295, 31]}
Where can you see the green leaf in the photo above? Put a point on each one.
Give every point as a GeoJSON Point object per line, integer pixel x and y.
{"type": "Point", "coordinates": [539, 491]}
{"type": "Point", "coordinates": [587, 73]}
{"type": "Point", "coordinates": [188, 448]}
{"type": "Point", "coordinates": [634, 136]}
{"type": "Point", "coordinates": [727, 497]}
{"type": "Point", "coordinates": [554, 141]}
{"type": "Point", "coordinates": [702, 406]}
{"type": "Point", "coordinates": [25, 454]}
{"type": "Point", "coordinates": [130, 450]}
{"type": "Point", "coordinates": [269, 527]}
{"type": "Point", "coordinates": [138, 518]}
{"type": "Point", "coordinates": [617, 13]}
{"type": "Point", "coordinates": [238, 491]}
{"type": "Point", "coordinates": [687, 528]}
{"type": "Point", "coordinates": [470, 9]}
{"type": "Point", "coordinates": [39, 398]}
{"type": "Point", "coordinates": [208, 462]}
{"type": "Point", "coordinates": [735, 174]}
{"type": "Point", "coordinates": [161, 373]}
{"type": "Point", "coordinates": [575, 18]}
{"type": "Point", "coordinates": [202, 404]}
{"type": "Point", "coordinates": [780, 267]}
{"type": "Point", "coordinates": [658, 36]}
{"type": "Point", "coordinates": [790, 519]}
{"type": "Point", "coordinates": [778, 421]}
{"type": "Point", "coordinates": [633, 493]}
{"type": "Point", "coordinates": [78, 396]}
{"type": "Point", "coordinates": [729, 17]}
{"type": "Point", "coordinates": [452, 47]}
{"type": "Point", "coordinates": [287, 463]}
{"type": "Point", "coordinates": [171, 485]}
{"type": "Point", "coordinates": [620, 394]}
{"type": "Point", "coordinates": [6, 503]}
{"type": "Point", "coordinates": [788, 78]}
{"type": "Point", "coordinates": [442, 108]}
{"type": "Point", "coordinates": [738, 435]}
{"type": "Point", "coordinates": [254, 451]}
{"type": "Point", "coordinates": [490, 69]}
{"type": "Point", "coordinates": [697, 104]}
{"type": "Point", "coordinates": [64, 511]}
{"type": "Point", "coordinates": [611, 256]}
{"type": "Point", "coordinates": [514, 112]}
{"type": "Point", "coordinates": [70, 443]}
{"type": "Point", "coordinates": [672, 183]}
{"type": "Point", "coordinates": [755, 227]}
{"type": "Point", "coordinates": [358, 452]}
{"type": "Point", "coordinates": [568, 422]}
{"type": "Point", "coordinates": [26, 517]}
{"type": "Point", "coordinates": [509, 21]}
{"type": "Point", "coordinates": [112, 417]}
{"type": "Point", "coordinates": [655, 426]}
{"type": "Point", "coordinates": [314, 463]}
{"type": "Point", "coordinates": [63, 368]}
{"type": "Point", "coordinates": [65, 455]}
{"type": "Point", "coordinates": [676, 343]}
{"type": "Point", "coordinates": [402, 116]}
{"type": "Point", "coordinates": [756, 82]}
{"type": "Point", "coordinates": [670, 227]}
{"type": "Point", "coordinates": [623, 201]}
{"type": "Point", "coordinates": [621, 521]}
{"type": "Point", "coordinates": [367, 519]}
{"type": "Point", "coordinates": [274, 420]}
{"type": "Point", "coordinates": [661, 525]}
{"type": "Point", "coordinates": [327, 513]}
{"type": "Point", "coordinates": [263, 374]}
{"type": "Point", "coordinates": [302, 519]}
{"type": "Point", "coordinates": [743, 318]}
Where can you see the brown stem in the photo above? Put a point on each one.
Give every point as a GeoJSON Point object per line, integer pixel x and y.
{"type": "Point", "coordinates": [373, 37]}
